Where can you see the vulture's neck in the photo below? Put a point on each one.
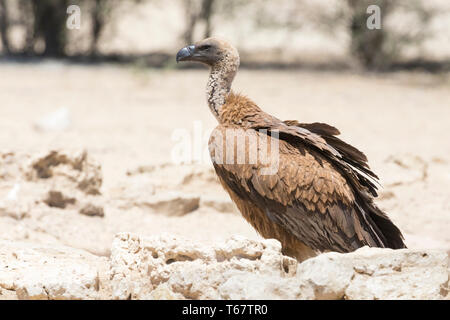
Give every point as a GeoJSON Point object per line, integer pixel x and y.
{"type": "Point", "coordinates": [219, 83]}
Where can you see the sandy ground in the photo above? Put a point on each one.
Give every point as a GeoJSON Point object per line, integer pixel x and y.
{"type": "Point", "coordinates": [125, 118]}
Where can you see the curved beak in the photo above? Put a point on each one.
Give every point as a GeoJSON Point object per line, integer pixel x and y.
{"type": "Point", "coordinates": [185, 53]}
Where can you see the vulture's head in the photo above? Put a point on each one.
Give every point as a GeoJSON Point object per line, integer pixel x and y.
{"type": "Point", "coordinates": [210, 51]}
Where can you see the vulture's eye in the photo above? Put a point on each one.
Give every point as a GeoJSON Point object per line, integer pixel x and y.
{"type": "Point", "coordinates": [204, 47]}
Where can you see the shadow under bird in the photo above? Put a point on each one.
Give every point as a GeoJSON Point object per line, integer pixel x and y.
{"type": "Point", "coordinates": [321, 196]}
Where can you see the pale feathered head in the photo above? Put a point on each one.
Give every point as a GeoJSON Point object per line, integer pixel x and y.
{"type": "Point", "coordinates": [210, 51]}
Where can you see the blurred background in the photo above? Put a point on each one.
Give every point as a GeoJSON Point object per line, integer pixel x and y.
{"type": "Point", "coordinates": [112, 88]}
{"type": "Point", "coordinates": [331, 34]}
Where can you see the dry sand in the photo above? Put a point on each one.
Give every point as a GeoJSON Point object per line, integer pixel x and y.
{"type": "Point", "coordinates": [125, 117]}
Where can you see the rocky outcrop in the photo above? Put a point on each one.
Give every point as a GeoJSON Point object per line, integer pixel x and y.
{"type": "Point", "coordinates": [170, 268]}
{"type": "Point", "coordinates": [32, 271]}
{"type": "Point", "coordinates": [166, 267]}
{"type": "Point", "coordinates": [374, 273]}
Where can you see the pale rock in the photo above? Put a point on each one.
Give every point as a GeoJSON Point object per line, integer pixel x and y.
{"type": "Point", "coordinates": [375, 273]}
{"type": "Point", "coordinates": [398, 274]}
{"type": "Point", "coordinates": [129, 268]}
{"type": "Point", "coordinates": [167, 267]}
{"type": "Point", "coordinates": [324, 277]}
{"type": "Point", "coordinates": [35, 271]}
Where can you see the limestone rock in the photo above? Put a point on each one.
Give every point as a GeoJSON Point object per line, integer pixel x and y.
{"type": "Point", "coordinates": [128, 268]}
{"type": "Point", "coordinates": [375, 273]}
{"type": "Point", "coordinates": [167, 267]}
{"type": "Point", "coordinates": [34, 271]}
{"type": "Point", "coordinates": [398, 274]}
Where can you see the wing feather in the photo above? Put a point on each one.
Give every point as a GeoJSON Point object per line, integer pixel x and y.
{"type": "Point", "coordinates": [321, 192]}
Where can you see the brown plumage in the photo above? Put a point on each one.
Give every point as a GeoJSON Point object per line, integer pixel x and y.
{"type": "Point", "coordinates": [321, 196]}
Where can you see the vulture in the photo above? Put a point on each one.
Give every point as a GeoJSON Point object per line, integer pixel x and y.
{"type": "Point", "coordinates": [294, 182]}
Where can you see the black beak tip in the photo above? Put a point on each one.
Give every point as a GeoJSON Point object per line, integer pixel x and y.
{"type": "Point", "coordinates": [185, 53]}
